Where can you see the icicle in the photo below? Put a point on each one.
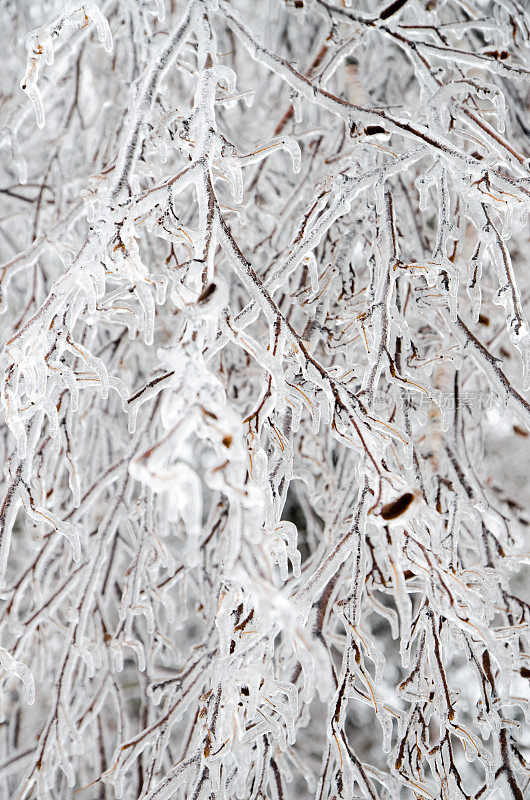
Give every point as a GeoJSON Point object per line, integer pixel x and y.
{"type": "Point", "coordinates": [21, 671]}
{"type": "Point", "coordinates": [290, 144]}
{"type": "Point", "coordinates": [101, 23]}
{"type": "Point", "coordinates": [32, 91]}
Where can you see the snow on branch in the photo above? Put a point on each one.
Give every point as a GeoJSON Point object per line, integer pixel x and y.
{"type": "Point", "coordinates": [265, 396]}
